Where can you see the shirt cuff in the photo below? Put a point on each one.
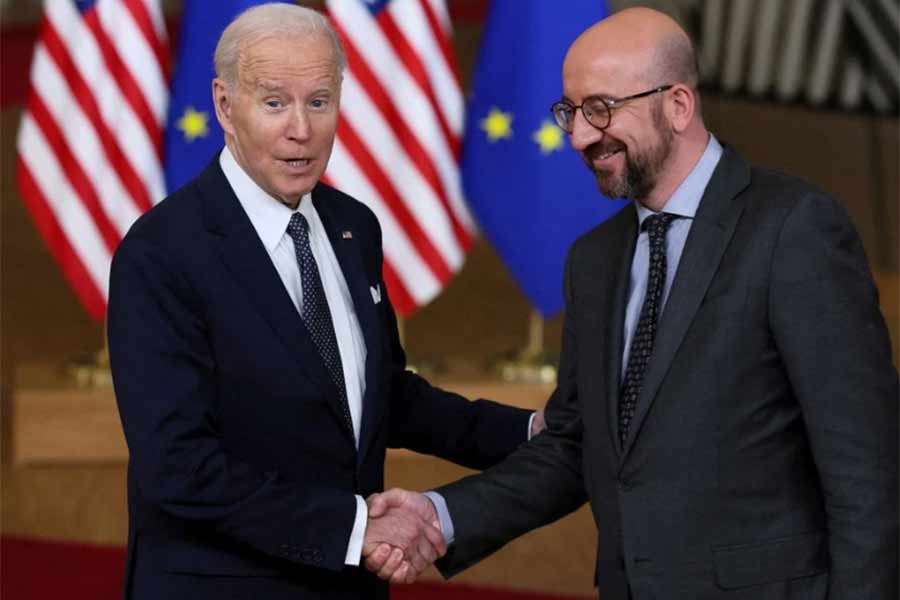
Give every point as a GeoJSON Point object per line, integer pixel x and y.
{"type": "Point", "coordinates": [440, 505]}
{"type": "Point", "coordinates": [530, 422]}
{"type": "Point", "coordinates": [357, 536]}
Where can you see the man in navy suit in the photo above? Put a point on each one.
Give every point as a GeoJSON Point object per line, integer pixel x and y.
{"type": "Point", "coordinates": [256, 359]}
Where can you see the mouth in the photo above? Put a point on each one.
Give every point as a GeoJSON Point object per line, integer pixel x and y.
{"type": "Point", "coordinates": [598, 160]}
{"type": "Point", "coordinates": [606, 155]}
{"type": "Point", "coordinates": [297, 163]}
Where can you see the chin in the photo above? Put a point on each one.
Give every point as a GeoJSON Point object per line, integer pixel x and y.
{"type": "Point", "coordinates": [608, 185]}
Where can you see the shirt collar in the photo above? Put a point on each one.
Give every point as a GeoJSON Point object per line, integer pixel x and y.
{"type": "Point", "coordinates": [686, 199]}
{"type": "Point", "coordinates": [269, 216]}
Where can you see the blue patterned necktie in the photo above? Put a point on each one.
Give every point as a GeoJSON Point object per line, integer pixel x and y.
{"type": "Point", "coordinates": [642, 343]}
{"type": "Point", "coordinates": [315, 311]}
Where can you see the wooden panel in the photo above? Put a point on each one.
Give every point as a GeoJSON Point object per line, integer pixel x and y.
{"type": "Point", "coordinates": [68, 482]}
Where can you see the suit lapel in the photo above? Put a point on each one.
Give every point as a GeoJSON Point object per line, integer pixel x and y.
{"type": "Point", "coordinates": [621, 254]}
{"type": "Point", "coordinates": [246, 258]}
{"type": "Point", "coordinates": [349, 255]}
{"type": "Point", "coordinates": [710, 233]}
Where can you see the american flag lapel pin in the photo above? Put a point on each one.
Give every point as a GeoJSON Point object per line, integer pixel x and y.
{"type": "Point", "coordinates": [347, 235]}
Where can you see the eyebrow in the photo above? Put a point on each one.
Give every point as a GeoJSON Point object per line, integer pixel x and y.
{"type": "Point", "coordinates": [565, 98]}
{"type": "Point", "coordinates": [269, 86]}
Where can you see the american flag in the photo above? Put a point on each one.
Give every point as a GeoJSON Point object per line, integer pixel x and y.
{"type": "Point", "coordinates": [398, 139]}
{"type": "Point", "coordinates": [90, 140]}
{"type": "Point", "coordinates": [90, 143]}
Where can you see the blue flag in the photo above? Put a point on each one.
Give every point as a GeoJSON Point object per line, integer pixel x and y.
{"type": "Point", "coordinates": [193, 135]}
{"type": "Point", "coordinates": [528, 188]}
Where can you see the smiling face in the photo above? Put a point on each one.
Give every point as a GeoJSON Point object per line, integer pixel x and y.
{"type": "Point", "coordinates": [280, 116]}
{"type": "Point", "coordinates": [628, 157]}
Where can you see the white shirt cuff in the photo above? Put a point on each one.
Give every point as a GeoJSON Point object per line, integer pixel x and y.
{"type": "Point", "coordinates": [440, 505]}
{"type": "Point", "coordinates": [357, 536]}
{"type": "Point", "coordinates": [530, 423]}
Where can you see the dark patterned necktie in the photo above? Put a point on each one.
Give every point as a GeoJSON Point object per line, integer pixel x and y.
{"type": "Point", "coordinates": [645, 333]}
{"type": "Point", "coordinates": [315, 311]}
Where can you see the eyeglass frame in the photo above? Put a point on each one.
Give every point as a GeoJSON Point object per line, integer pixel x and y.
{"type": "Point", "coordinates": [609, 103]}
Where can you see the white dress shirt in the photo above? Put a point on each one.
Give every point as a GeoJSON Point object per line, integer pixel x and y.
{"type": "Point", "coordinates": [270, 220]}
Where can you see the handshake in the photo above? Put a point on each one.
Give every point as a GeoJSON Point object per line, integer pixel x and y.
{"type": "Point", "coordinates": [403, 535]}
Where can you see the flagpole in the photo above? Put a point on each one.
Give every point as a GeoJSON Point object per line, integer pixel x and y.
{"type": "Point", "coordinates": [401, 330]}
{"type": "Point", "coordinates": [531, 364]}
{"type": "Point", "coordinates": [535, 345]}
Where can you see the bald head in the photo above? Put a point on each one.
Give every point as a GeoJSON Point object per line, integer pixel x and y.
{"type": "Point", "coordinates": [639, 130]}
{"type": "Point", "coordinates": [638, 47]}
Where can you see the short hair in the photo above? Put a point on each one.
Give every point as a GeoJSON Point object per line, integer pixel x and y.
{"type": "Point", "coordinates": [675, 61]}
{"type": "Point", "coordinates": [272, 20]}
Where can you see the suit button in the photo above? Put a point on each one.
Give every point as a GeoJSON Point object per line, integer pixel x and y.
{"type": "Point", "coordinates": [625, 485]}
{"type": "Point", "coordinates": [311, 555]}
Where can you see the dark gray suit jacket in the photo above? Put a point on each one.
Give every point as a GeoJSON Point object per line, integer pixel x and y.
{"type": "Point", "coordinates": [762, 461]}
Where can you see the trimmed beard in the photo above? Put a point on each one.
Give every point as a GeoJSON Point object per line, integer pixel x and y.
{"type": "Point", "coordinates": [641, 170]}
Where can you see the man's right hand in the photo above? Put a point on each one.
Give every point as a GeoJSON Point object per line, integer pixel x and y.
{"type": "Point", "coordinates": [403, 536]}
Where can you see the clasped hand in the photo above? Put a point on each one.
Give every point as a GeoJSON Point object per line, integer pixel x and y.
{"type": "Point", "coordinates": [403, 535]}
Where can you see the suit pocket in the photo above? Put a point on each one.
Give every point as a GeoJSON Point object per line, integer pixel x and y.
{"type": "Point", "coordinates": [767, 562]}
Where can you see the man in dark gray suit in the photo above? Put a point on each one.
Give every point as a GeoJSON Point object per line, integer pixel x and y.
{"type": "Point", "coordinates": [726, 396]}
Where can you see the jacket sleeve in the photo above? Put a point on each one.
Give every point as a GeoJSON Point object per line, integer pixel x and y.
{"type": "Point", "coordinates": [427, 419]}
{"type": "Point", "coordinates": [164, 378]}
{"type": "Point", "coordinates": [835, 347]}
{"type": "Point", "coordinates": [539, 483]}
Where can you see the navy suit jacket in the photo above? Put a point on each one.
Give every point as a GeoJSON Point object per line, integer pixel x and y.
{"type": "Point", "coordinates": [242, 471]}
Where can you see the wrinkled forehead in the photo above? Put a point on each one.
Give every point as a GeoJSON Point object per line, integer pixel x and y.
{"type": "Point", "coordinates": [286, 57]}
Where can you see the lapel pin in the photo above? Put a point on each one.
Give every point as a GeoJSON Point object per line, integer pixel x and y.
{"type": "Point", "coordinates": [347, 235]}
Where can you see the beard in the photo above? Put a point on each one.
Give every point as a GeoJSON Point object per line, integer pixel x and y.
{"type": "Point", "coordinates": [642, 168]}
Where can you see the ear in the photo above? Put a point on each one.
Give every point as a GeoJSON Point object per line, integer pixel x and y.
{"type": "Point", "coordinates": [681, 106]}
{"type": "Point", "coordinates": [223, 100]}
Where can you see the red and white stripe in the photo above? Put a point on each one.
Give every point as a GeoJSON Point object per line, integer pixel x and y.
{"type": "Point", "coordinates": [90, 141]}
{"type": "Point", "coordinates": [398, 140]}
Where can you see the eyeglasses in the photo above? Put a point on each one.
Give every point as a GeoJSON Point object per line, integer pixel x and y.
{"type": "Point", "coordinates": [597, 110]}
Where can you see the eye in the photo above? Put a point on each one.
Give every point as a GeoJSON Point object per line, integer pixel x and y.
{"type": "Point", "coordinates": [595, 105]}
{"type": "Point", "coordinates": [318, 103]}
{"type": "Point", "coordinates": [274, 103]}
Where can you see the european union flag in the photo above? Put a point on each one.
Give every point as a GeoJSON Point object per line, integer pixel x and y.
{"type": "Point", "coordinates": [530, 192]}
{"type": "Point", "coordinates": [193, 135]}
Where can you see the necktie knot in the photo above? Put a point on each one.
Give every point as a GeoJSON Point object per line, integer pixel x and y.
{"type": "Point", "coordinates": [657, 225]}
{"type": "Point", "coordinates": [298, 225]}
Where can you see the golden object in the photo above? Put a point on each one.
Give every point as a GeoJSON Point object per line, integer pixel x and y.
{"type": "Point", "coordinates": [93, 372]}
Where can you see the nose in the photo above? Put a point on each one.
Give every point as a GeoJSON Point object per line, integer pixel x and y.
{"type": "Point", "coordinates": [298, 126]}
{"type": "Point", "coordinates": [583, 134]}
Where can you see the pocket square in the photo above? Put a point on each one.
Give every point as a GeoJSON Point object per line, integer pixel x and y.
{"type": "Point", "coordinates": [376, 293]}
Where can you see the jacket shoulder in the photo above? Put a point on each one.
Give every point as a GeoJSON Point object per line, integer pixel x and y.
{"type": "Point", "coordinates": [600, 234]}
{"type": "Point", "coordinates": [173, 223]}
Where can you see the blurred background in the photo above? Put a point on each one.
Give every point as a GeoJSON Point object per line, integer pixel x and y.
{"type": "Point", "coordinates": [808, 87]}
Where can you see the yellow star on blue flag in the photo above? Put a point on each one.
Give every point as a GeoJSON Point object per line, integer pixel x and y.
{"type": "Point", "coordinates": [549, 137]}
{"type": "Point", "coordinates": [497, 124]}
{"type": "Point", "coordinates": [193, 123]}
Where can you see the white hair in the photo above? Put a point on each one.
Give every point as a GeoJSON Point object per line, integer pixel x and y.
{"type": "Point", "coordinates": [272, 20]}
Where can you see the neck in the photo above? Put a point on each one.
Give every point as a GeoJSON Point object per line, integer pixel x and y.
{"type": "Point", "coordinates": [681, 162]}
